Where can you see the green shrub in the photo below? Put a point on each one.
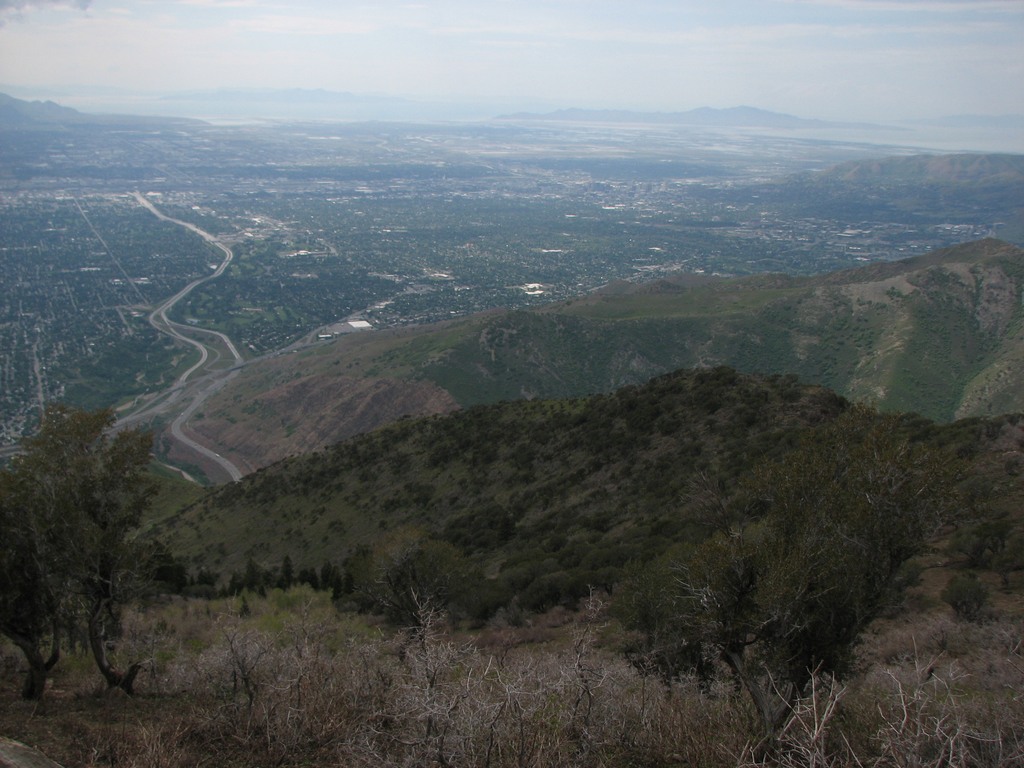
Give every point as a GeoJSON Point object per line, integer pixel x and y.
{"type": "Point", "coordinates": [966, 595]}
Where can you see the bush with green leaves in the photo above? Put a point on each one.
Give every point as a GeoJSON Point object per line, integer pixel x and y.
{"type": "Point", "coordinates": [967, 595]}
{"type": "Point", "coordinates": [409, 572]}
{"type": "Point", "coordinates": [785, 594]}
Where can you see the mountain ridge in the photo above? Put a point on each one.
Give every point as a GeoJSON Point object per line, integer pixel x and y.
{"type": "Point", "coordinates": [544, 500]}
{"type": "Point", "coordinates": [940, 334]}
{"type": "Point", "coordinates": [24, 114]}
{"type": "Point", "coordinates": [469, 474]}
{"type": "Point", "coordinates": [734, 117]}
{"type": "Point", "coordinates": [977, 168]}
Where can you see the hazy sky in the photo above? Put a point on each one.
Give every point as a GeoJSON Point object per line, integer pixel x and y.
{"type": "Point", "coordinates": [833, 59]}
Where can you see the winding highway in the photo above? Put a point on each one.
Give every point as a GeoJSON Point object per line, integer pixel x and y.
{"type": "Point", "coordinates": [189, 391]}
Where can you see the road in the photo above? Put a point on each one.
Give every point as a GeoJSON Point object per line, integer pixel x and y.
{"type": "Point", "coordinates": [189, 391]}
{"type": "Point", "coordinates": [176, 404]}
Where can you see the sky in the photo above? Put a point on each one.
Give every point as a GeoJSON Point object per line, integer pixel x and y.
{"type": "Point", "coordinates": [852, 60]}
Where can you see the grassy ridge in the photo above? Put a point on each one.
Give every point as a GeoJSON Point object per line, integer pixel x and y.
{"type": "Point", "coordinates": [549, 497]}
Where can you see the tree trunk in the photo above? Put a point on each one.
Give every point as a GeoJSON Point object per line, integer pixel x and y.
{"type": "Point", "coordinates": [35, 681]}
{"type": "Point", "coordinates": [97, 642]}
{"type": "Point", "coordinates": [38, 667]}
{"type": "Point", "coordinates": [774, 706]}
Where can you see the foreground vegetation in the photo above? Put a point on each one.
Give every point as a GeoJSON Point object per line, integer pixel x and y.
{"type": "Point", "coordinates": [286, 680]}
{"type": "Point", "coordinates": [711, 569]}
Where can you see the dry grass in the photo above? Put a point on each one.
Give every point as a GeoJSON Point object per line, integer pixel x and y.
{"type": "Point", "coordinates": [294, 684]}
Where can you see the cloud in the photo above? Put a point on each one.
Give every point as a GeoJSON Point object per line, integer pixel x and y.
{"type": "Point", "coordinates": [14, 8]}
{"type": "Point", "coordinates": [7, 6]}
{"type": "Point", "coordinates": [929, 6]}
{"type": "Point", "coordinates": [223, 3]}
{"type": "Point", "coordinates": [305, 25]}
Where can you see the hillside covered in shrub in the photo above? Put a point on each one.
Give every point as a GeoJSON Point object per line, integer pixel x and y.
{"type": "Point", "coordinates": [711, 568]}
{"type": "Point", "coordinates": [536, 502]}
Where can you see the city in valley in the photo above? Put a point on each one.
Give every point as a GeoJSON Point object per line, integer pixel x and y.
{"type": "Point", "coordinates": [138, 255]}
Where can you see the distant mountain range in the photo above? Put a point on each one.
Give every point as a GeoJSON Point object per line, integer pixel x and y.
{"type": "Point", "coordinates": [941, 335]}
{"type": "Point", "coordinates": [952, 133]}
{"type": "Point", "coordinates": [282, 95]}
{"type": "Point", "coordinates": [20, 113]}
{"type": "Point", "coordinates": [1002, 122]}
{"type": "Point", "coordinates": [735, 117]}
{"type": "Point", "coordinates": [752, 117]}
{"type": "Point", "coordinates": [246, 104]}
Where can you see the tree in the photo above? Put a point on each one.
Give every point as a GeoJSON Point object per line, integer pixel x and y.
{"type": "Point", "coordinates": [255, 578]}
{"type": "Point", "coordinates": [982, 543]}
{"type": "Point", "coordinates": [409, 574]}
{"type": "Point", "coordinates": [286, 574]}
{"type": "Point", "coordinates": [659, 644]}
{"type": "Point", "coordinates": [1009, 559]}
{"type": "Point", "coordinates": [72, 501]}
{"type": "Point", "coordinates": [33, 582]}
{"type": "Point", "coordinates": [786, 595]}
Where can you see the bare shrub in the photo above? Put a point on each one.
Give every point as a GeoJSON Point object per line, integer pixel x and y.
{"type": "Point", "coordinates": [691, 723]}
{"type": "Point", "coordinates": [423, 717]}
{"type": "Point", "coordinates": [166, 745]}
{"type": "Point", "coordinates": [925, 724]}
{"type": "Point", "coordinates": [310, 688]}
{"type": "Point", "coordinates": [808, 738]}
{"type": "Point", "coordinates": [958, 705]}
{"type": "Point", "coordinates": [451, 704]}
{"type": "Point", "coordinates": [274, 696]}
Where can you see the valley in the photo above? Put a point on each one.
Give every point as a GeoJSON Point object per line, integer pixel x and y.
{"type": "Point", "coordinates": [509, 444]}
{"type": "Point", "coordinates": [401, 227]}
{"type": "Point", "coordinates": [209, 357]}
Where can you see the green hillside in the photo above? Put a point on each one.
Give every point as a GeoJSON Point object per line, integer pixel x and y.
{"type": "Point", "coordinates": [922, 189]}
{"type": "Point", "coordinates": [547, 497]}
{"type": "Point", "coordinates": [941, 335]}
{"type": "Point", "coordinates": [912, 336]}
{"type": "Point", "coordinates": [989, 169]}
